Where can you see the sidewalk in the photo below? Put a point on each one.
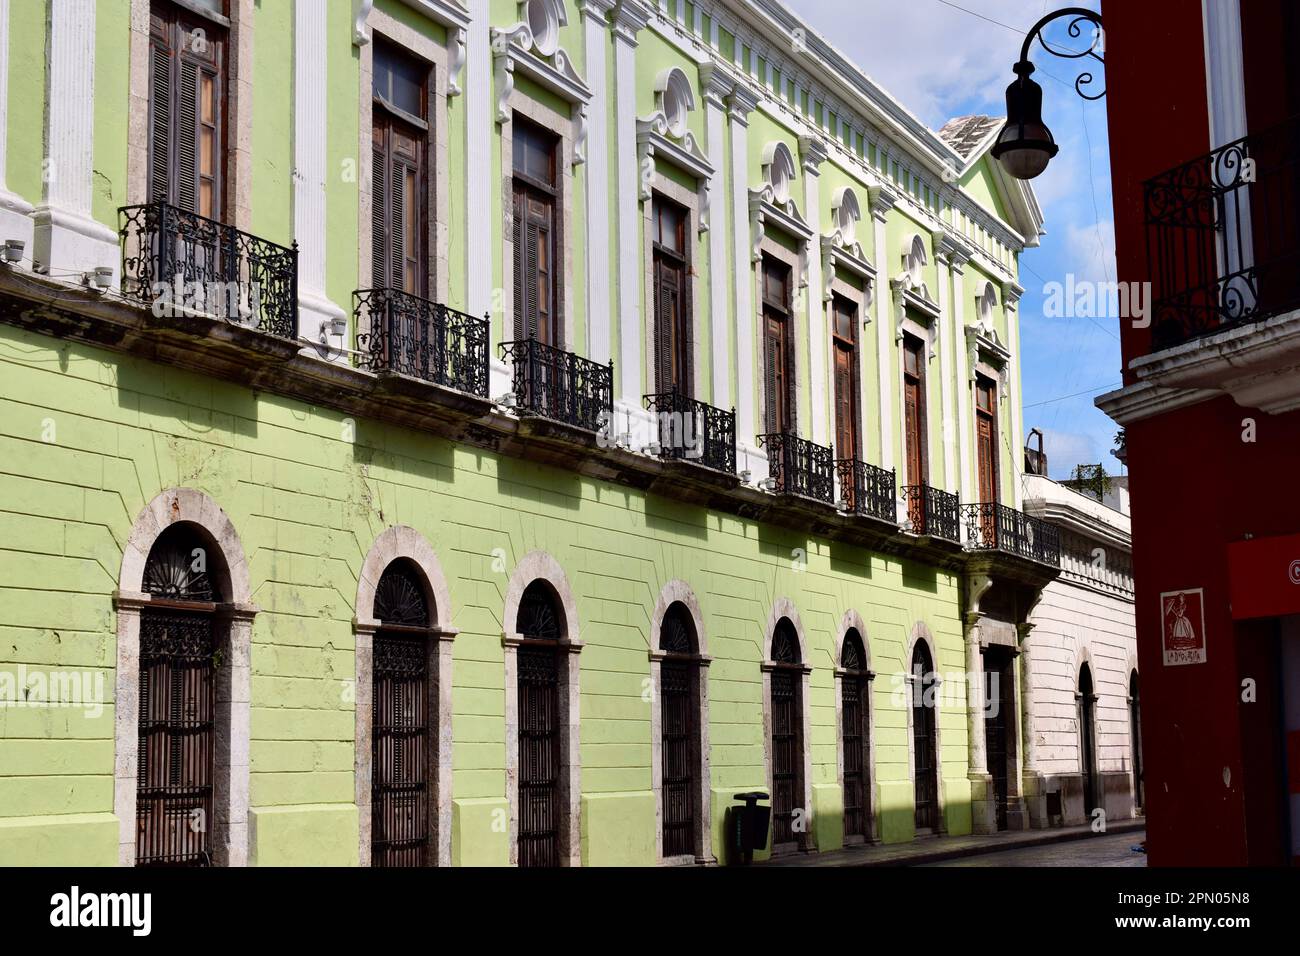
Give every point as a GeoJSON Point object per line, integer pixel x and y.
{"type": "Point", "coordinates": [934, 849]}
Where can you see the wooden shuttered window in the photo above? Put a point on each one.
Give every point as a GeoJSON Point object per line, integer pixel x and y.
{"type": "Point", "coordinates": [674, 345]}
{"type": "Point", "coordinates": [186, 110]}
{"type": "Point", "coordinates": [535, 235]}
{"type": "Point", "coordinates": [986, 438]}
{"type": "Point", "coordinates": [914, 408]}
{"type": "Point", "coordinates": [844, 338]}
{"type": "Point", "coordinates": [778, 353]}
{"type": "Point", "coordinates": [399, 203]}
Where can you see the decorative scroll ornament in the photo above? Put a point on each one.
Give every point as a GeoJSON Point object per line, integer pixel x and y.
{"type": "Point", "coordinates": [910, 291]}
{"type": "Point", "coordinates": [455, 59]}
{"type": "Point", "coordinates": [840, 249]}
{"type": "Point", "coordinates": [654, 139]}
{"type": "Point", "coordinates": [539, 57]}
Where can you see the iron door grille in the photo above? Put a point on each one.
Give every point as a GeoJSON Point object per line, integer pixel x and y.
{"type": "Point", "coordinates": [786, 777]}
{"type": "Point", "coordinates": [399, 799]}
{"type": "Point", "coordinates": [176, 736]}
{"type": "Point", "coordinates": [678, 763]}
{"type": "Point", "coordinates": [927, 785]}
{"type": "Point", "coordinates": [539, 755]}
{"type": "Point", "coordinates": [995, 738]}
{"type": "Point", "coordinates": [853, 709]}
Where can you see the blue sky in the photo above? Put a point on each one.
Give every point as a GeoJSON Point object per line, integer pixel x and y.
{"type": "Point", "coordinates": [941, 62]}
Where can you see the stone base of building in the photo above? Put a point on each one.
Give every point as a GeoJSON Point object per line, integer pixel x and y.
{"type": "Point", "coordinates": [1057, 800]}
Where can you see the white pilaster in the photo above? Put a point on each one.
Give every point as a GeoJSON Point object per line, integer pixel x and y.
{"type": "Point", "coordinates": [628, 19]}
{"type": "Point", "coordinates": [965, 433]}
{"type": "Point", "coordinates": [15, 212]}
{"type": "Point", "coordinates": [882, 200]}
{"type": "Point", "coordinates": [315, 310]}
{"type": "Point", "coordinates": [1011, 293]}
{"type": "Point", "coordinates": [479, 163]}
{"type": "Point", "coordinates": [951, 338]}
{"type": "Point", "coordinates": [716, 85]}
{"type": "Point", "coordinates": [67, 238]}
{"type": "Point", "coordinates": [599, 313]}
{"type": "Point", "coordinates": [740, 104]}
{"type": "Point", "coordinates": [813, 153]}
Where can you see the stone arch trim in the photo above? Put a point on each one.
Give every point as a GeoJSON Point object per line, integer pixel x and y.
{"type": "Point", "coordinates": [920, 632]}
{"type": "Point", "coordinates": [678, 591]}
{"type": "Point", "coordinates": [852, 620]}
{"type": "Point", "coordinates": [401, 542]}
{"type": "Point", "coordinates": [234, 681]}
{"type": "Point", "coordinates": [784, 607]}
{"type": "Point", "coordinates": [541, 566]}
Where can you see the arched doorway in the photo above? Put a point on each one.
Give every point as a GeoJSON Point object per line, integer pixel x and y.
{"type": "Point", "coordinates": [855, 690]}
{"type": "Point", "coordinates": [788, 812]}
{"type": "Point", "coordinates": [540, 625]}
{"type": "Point", "coordinates": [400, 800]}
{"type": "Point", "coordinates": [180, 639]}
{"type": "Point", "coordinates": [1088, 740]}
{"type": "Point", "coordinates": [679, 710]}
{"type": "Point", "coordinates": [1135, 739]}
{"type": "Point", "coordinates": [925, 749]}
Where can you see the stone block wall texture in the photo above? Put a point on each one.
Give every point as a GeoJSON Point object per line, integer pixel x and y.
{"type": "Point", "coordinates": [88, 438]}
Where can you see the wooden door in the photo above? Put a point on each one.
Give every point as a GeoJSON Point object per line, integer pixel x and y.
{"type": "Point", "coordinates": [399, 797]}
{"type": "Point", "coordinates": [925, 768]}
{"type": "Point", "coordinates": [853, 712]}
{"type": "Point", "coordinates": [673, 346]}
{"type": "Point", "coordinates": [845, 374]}
{"type": "Point", "coordinates": [986, 444]}
{"type": "Point", "coordinates": [997, 730]}
{"type": "Point", "coordinates": [777, 353]}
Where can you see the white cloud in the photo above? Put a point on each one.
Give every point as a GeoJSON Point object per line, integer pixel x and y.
{"type": "Point", "coordinates": [1066, 449]}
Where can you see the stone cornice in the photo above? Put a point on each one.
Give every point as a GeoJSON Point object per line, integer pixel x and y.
{"type": "Point", "coordinates": [741, 102]}
{"type": "Point", "coordinates": [715, 84]}
{"type": "Point", "coordinates": [950, 246]}
{"type": "Point", "coordinates": [882, 199]}
{"type": "Point", "coordinates": [1143, 400]}
{"type": "Point", "coordinates": [629, 18]}
{"type": "Point", "coordinates": [812, 152]}
{"type": "Point", "coordinates": [597, 8]}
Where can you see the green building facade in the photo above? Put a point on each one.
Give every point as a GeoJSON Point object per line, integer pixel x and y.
{"type": "Point", "coordinates": [416, 358]}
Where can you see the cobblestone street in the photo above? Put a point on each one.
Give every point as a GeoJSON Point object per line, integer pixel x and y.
{"type": "Point", "coordinates": [1112, 849]}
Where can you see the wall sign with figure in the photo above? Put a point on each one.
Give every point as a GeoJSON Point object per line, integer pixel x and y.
{"type": "Point", "coordinates": [1182, 626]}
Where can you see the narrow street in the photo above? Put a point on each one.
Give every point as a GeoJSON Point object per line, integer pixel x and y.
{"type": "Point", "coordinates": [1111, 849]}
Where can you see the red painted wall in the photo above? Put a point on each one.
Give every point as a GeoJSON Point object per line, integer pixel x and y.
{"type": "Point", "coordinates": [1211, 761]}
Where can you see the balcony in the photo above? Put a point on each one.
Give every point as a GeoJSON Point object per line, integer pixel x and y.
{"type": "Point", "coordinates": [559, 385]}
{"type": "Point", "coordinates": [994, 527]}
{"type": "Point", "coordinates": [403, 333]}
{"type": "Point", "coordinates": [867, 490]}
{"type": "Point", "coordinates": [186, 265]}
{"type": "Point", "coordinates": [1223, 241]}
{"type": "Point", "coordinates": [796, 466]}
{"type": "Point", "coordinates": [691, 430]}
{"type": "Point", "coordinates": [932, 512]}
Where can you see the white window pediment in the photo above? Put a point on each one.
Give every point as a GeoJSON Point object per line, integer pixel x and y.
{"type": "Point", "coordinates": [982, 341]}
{"type": "Point", "coordinates": [910, 291]}
{"type": "Point", "coordinates": [664, 135]}
{"type": "Point", "coordinates": [770, 204]}
{"type": "Point", "coordinates": [532, 47]}
{"type": "Point", "coordinates": [840, 248]}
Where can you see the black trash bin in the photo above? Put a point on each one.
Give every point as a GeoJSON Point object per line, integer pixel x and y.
{"type": "Point", "coordinates": [747, 828]}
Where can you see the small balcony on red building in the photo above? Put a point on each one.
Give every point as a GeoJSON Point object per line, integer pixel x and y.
{"type": "Point", "coordinates": [1223, 250]}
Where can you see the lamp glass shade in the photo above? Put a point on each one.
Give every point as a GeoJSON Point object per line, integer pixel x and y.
{"type": "Point", "coordinates": [1025, 144]}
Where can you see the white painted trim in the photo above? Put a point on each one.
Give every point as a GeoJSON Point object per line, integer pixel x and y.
{"type": "Point", "coordinates": [717, 85]}
{"type": "Point", "coordinates": [1225, 84]}
{"type": "Point", "coordinates": [599, 293]}
{"type": "Point", "coordinates": [628, 369]}
{"type": "Point", "coordinates": [479, 234]}
{"type": "Point", "coordinates": [315, 310]}
{"type": "Point", "coordinates": [882, 200]}
{"type": "Point", "coordinates": [15, 212]}
{"type": "Point", "coordinates": [740, 103]}
{"type": "Point", "coordinates": [66, 236]}
{"type": "Point", "coordinates": [819, 339]}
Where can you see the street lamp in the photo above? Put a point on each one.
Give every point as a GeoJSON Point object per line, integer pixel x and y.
{"type": "Point", "coordinates": [1025, 145]}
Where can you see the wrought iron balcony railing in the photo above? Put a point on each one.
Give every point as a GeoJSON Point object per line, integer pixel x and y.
{"type": "Point", "coordinates": [559, 385]}
{"type": "Point", "coordinates": [994, 527]}
{"type": "Point", "coordinates": [799, 467]}
{"type": "Point", "coordinates": [691, 430]}
{"type": "Point", "coordinates": [400, 332]}
{"type": "Point", "coordinates": [932, 512]}
{"type": "Point", "coordinates": [867, 489]}
{"type": "Point", "coordinates": [181, 263]}
{"type": "Point", "coordinates": [1223, 239]}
